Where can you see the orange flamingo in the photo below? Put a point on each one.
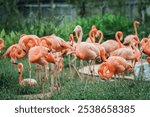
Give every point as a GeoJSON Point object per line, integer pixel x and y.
{"type": "Point", "coordinates": [145, 44]}
{"type": "Point", "coordinates": [132, 38]}
{"type": "Point", "coordinates": [12, 52]}
{"type": "Point", "coordinates": [111, 45]}
{"type": "Point", "coordinates": [57, 43]}
{"type": "Point", "coordinates": [128, 54]}
{"type": "Point", "coordinates": [26, 42]}
{"type": "Point", "coordinates": [92, 34]}
{"type": "Point", "coordinates": [148, 59]}
{"type": "Point", "coordinates": [1, 44]}
{"type": "Point", "coordinates": [42, 56]}
{"type": "Point", "coordinates": [28, 82]}
{"type": "Point", "coordinates": [114, 65]}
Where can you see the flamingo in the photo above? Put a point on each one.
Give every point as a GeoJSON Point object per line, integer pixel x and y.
{"type": "Point", "coordinates": [12, 53]}
{"type": "Point", "coordinates": [86, 51]}
{"type": "Point", "coordinates": [111, 45]}
{"type": "Point", "coordinates": [1, 44]}
{"type": "Point", "coordinates": [26, 42]}
{"type": "Point", "coordinates": [28, 82]}
{"type": "Point", "coordinates": [57, 43]}
{"type": "Point", "coordinates": [132, 38]}
{"type": "Point", "coordinates": [128, 54]}
{"type": "Point", "coordinates": [145, 44]}
{"type": "Point", "coordinates": [92, 34]}
{"type": "Point", "coordinates": [42, 56]}
{"type": "Point", "coordinates": [113, 66]}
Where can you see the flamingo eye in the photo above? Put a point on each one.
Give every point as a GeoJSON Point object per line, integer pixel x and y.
{"type": "Point", "coordinates": [49, 51]}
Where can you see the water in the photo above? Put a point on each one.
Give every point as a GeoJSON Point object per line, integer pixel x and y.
{"type": "Point", "coordinates": [143, 71]}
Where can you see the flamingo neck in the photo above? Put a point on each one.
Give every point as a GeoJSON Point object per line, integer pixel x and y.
{"type": "Point", "coordinates": [80, 36]}
{"type": "Point", "coordinates": [101, 37]}
{"type": "Point", "coordinates": [135, 28]}
{"type": "Point", "coordinates": [72, 39]}
{"type": "Point", "coordinates": [91, 37]}
{"type": "Point", "coordinates": [111, 72]}
{"type": "Point", "coordinates": [20, 78]}
{"type": "Point", "coordinates": [118, 39]}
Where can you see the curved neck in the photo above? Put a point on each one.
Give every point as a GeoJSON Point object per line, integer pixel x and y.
{"type": "Point", "coordinates": [119, 37]}
{"type": "Point", "coordinates": [137, 52]}
{"type": "Point", "coordinates": [20, 78]}
{"type": "Point", "coordinates": [101, 68]}
{"type": "Point", "coordinates": [111, 72]}
{"type": "Point", "coordinates": [72, 39]}
{"type": "Point", "coordinates": [92, 36]}
{"type": "Point", "coordinates": [135, 29]}
{"type": "Point", "coordinates": [48, 42]}
{"type": "Point", "coordinates": [79, 38]}
{"type": "Point", "coordinates": [20, 55]}
{"type": "Point", "coordinates": [101, 36]}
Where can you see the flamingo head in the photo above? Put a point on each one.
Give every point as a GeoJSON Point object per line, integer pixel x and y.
{"type": "Point", "coordinates": [136, 22]}
{"type": "Point", "coordinates": [20, 68]}
{"type": "Point", "coordinates": [143, 41]}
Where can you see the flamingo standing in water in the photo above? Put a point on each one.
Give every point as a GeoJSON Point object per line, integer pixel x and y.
{"type": "Point", "coordinates": [114, 65]}
{"type": "Point", "coordinates": [132, 38]}
{"type": "Point", "coordinates": [28, 82]}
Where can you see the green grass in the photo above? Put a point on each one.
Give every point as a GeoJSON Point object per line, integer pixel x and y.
{"type": "Point", "coordinates": [72, 87]}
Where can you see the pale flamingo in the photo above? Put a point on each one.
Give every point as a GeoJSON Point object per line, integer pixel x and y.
{"type": "Point", "coordinates": [28, 82]}
{"type": "Point", "coordinates": [132, 38]}
{"type": "Point", "coordinates": [114, 65]}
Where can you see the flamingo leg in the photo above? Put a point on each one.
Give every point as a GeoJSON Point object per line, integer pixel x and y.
{"type": "Point", "coordinates": [30, 69]}
{"type": "Point", "coordinates": [69, 59]}
{"type": "Point", "coordinates": [52, 79]}
{"type": "Point", "coordinates": [88, 78]}
{"type": "Point", "coordinates": [57, 79]}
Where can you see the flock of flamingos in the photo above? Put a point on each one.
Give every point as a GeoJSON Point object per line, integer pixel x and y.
{"type": "Point", "coordinates": [41, 51]}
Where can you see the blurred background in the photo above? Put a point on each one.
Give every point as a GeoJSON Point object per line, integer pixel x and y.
{"type": "Point", "coordinates": [44, 17]}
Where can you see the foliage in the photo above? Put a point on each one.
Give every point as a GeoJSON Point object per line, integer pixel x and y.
{"type": "Point", "coordinates": [108, 24]}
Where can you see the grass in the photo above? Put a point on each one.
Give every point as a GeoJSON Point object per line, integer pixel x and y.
{"type": "Point", "coordinates": [72, 86]}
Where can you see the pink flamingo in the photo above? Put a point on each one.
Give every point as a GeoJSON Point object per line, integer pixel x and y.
{"type": "Point", "coordinates": [132, 38]}
{"type": "Point", "coordinates": [113, 66]}
{"type": "Point", "coordinates": [42, 56]}
{"type": "Point", "coordinates": [111, 45]}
